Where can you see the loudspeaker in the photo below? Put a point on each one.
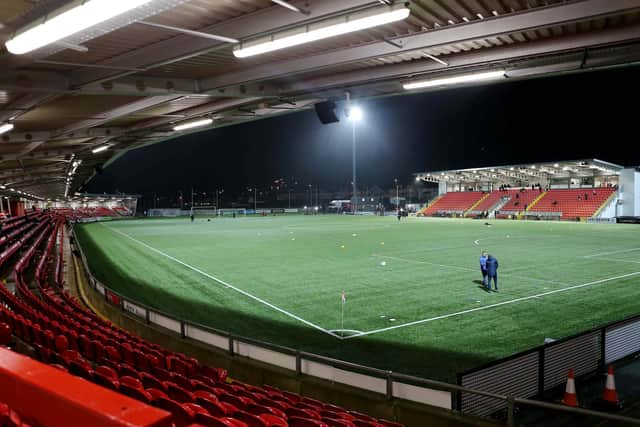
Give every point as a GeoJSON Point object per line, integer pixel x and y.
{"type": "Point", "coordinates": [98, 170]}
{"type": "Point", "coordinates": [326, 112]}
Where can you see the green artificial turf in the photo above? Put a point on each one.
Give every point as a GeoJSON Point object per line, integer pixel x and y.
{"type": "Point", "coordinates": [411, 270]}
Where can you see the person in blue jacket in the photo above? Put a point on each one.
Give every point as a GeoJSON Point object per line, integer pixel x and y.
{"type": "Point", "coordinates": [492, 272]}
{"type": "Point", "coordinates": [483, 267]}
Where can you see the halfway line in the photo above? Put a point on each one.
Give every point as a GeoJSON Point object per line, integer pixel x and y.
{"type": "Point", "coordinates": [222, 282]}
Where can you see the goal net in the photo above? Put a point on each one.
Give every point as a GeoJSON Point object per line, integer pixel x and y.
{"type": "Point", "coordinates": [231, 211]}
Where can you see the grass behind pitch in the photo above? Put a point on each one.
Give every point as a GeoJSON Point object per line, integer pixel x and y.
{"type": "Point", "coordinates": [407, 271]}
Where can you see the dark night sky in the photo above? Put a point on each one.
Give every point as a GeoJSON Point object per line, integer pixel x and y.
{"type": "Point", "coordinates": [560, 118]}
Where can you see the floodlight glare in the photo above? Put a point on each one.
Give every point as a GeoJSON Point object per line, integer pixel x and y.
{"type": "Point", "coordinates": [325, 29]}
{"type": "Point", "coordinates": [465, 78]}
{"type": "Point", "coordinates": [84, 15]}
{"type": "Point", "coordinates": [193, 124]}
{"type": "Point", "coordinates": [99, 149]}
{"type": "Point", "coordinates": [355, 113]}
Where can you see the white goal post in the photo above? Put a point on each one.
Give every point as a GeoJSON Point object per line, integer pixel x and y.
{"type": "Point", "coordinates": [231, 211]}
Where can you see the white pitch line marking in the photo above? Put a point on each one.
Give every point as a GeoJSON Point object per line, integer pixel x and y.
{"type": "Point", "coordinates": [486, 307]}
{"type": "Point", "coordinates": [612, 252]}
{"type": "Point", "coordinates": [503, 273]}
{"type": "Point", "coordinates": [222, 282]}
{"type": "Point", "coordinates": [619, 260]}
{"type": "Point", "coordinates": [355, 331]}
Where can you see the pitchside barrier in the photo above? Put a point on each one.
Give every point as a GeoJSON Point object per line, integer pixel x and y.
{"type": "Point", "coordinates": [538, 370]}
{"type": "Point", "coordinates": [479, 392]}
{"type": "Point", "coordinates": [221, 212]}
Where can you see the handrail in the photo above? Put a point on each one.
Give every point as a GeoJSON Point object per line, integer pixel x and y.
{"type": "Point", "coordinates": [390, 376]}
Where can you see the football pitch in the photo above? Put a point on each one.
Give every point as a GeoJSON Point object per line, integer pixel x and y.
{"type": "Point", "coordinates": [414, 301]}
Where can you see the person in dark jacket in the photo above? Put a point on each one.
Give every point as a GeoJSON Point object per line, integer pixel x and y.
{"type": "Point", "coordinates": [492, 272]}
{"type": "Point", "coordinates": [483, 267]}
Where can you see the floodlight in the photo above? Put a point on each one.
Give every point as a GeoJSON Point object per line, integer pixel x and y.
{"type": "Point", "coordinates": [99, 149]}
{"type": "Point", "coordinates": [324, 29]}
{"type": "Point", "coordinates": [355, 113]}
{"type": "Point", "coordinates": [193, 124]}
{"type": "Point", "coordinates": [465, 78]}
{"type": "Point", "coordinates": [5, 128]}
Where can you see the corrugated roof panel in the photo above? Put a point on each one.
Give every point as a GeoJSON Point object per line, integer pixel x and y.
{"type": "Point", "coordinates": [69, 109]}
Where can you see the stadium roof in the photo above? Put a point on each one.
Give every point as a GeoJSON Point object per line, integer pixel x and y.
{"type": "Point", "coordinates": [528, 172]}
{"type": "Point", "coordinates": [127, 83]}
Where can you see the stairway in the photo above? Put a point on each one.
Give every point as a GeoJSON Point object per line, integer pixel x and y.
{"type": "Point", "coordinates": [476, 204]}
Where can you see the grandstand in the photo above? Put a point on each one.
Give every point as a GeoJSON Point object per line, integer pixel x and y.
{"type": "Point", "coordinates": [569, 190]}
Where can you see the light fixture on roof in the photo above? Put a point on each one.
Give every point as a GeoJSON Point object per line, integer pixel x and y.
{"type": "Point", "coordinates": [193, 124]}
{"type": "Point", "coordinates": [556, 165]}
{"type": "Point", "coordinates": [79, 16]}
{"type": "Point", "coordinates": [100, 149]}
{"type": "Point", "coordinates": [465, 78]}
{"type": "Point", "coordinates": [5, 128]}
{"type": "Point", "coordinates": [354, 113]}
{"type": "Point", "coordinates": [324, 29]}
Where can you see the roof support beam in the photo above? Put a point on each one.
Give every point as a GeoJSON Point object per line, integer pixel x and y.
{"type": "Point", "coordinates": [18, 137]}
{"type": "Point", "coordinates": [117, 113]}
{"type": "Point", "coordinates": [24, 104]}
{"type": "Point", "coordinates": [534, 18]}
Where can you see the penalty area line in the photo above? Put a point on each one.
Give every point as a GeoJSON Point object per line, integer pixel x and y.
{"type": "Point", "coordinates": [486, 307]}
{"type": "Point", "coordinates": [228, 285]}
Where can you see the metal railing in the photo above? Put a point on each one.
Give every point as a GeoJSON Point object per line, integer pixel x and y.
{"type": "Point", "coordinates": [535, 371]}
{"type": "Point", "coordinates": [388, 383]}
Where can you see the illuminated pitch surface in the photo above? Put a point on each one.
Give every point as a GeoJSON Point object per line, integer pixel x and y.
{"type": "Point", "coordinates": [413, 299]}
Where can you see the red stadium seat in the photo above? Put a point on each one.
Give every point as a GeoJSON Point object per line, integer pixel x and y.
{"type": "Point", "coordinates": [211, 421]}
{"type": "Point", "coordinates": [182, 416]}
{"type": "Point", "coordinates": [273, 421]}
{"type": "Point", "coordinates": [105, 381]}
{"type": "Point", "coordinates": [213, 406]}
{"type": "Point", "coordinates": [156, 393]}
{"type": "Point", "coordinates": [61, 343]}
{"type": "Point", "coordinates": [107, 372]}
{"type": "Point", "coordinates": [342, 415]}
{"type": "Point", "coordinates": [362, 417]}
{"type": "Point", "coordinates": [124, 369]}
{"type": "Point", "coordinates": [5, 334]}
{"type": "Point", "coordinates": [177, 393]}
{"type": "Point", "coordinates": [150, 381]}
{"type": "Point", "coordinates": [305, 422]}
{"type": "Point", "coordinates": [256, 409]}
{"type": "Point", "coordinates": [302, 413]}
{"type": "Point", "coordinates": [238, 402]}
{"type": "Point", "coordinates": [81, 368]}
{"type": "Point", "coordinates": [136, 393]}
{"type": "Point", "coordinates": [249, 419]}
{"type": "Point", "coordinates": [337, 422]}
{"type": "Point", "coordinates": [131, 382]}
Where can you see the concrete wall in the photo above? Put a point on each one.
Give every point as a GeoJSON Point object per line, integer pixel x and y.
{"type": "Point", "coordinates": [629, 189]}
{"type": "Point", "coordinates": [609, 211]}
